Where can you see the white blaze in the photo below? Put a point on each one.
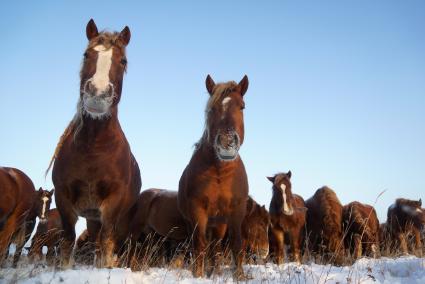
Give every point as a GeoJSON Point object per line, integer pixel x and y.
{"type": "Point", "coordinates": [285, 204]}
{"type": "Point", "coordinates": [100, 79]}
{"type": "Point", "coordinates": [225, 101]}
{"type": "Point", "coordinates": [43, 210]}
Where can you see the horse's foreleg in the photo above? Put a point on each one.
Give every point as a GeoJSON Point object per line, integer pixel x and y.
{"type": "Point", "coordinates": [296, 245]}
{"type": "Point", "coordinates": [217, 247]}
{"type": "Point", "coordinates": [279, 241]}
{"type": "Point", "coordinates": [236, 245]}
{"type": "Point", "coordinates": [199, 242]}
{"type": "Point", "coordinates": [6, 236]}
{"type": "Point", "coordinates": [69, 219]}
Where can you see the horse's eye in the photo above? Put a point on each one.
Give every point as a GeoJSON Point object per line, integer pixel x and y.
{"type": "Point", "coordinates": [124, 61]}
{"type": "Point", "coordinates": [242, 107]}
{"type": "Point", "coordinates": [85, 55]}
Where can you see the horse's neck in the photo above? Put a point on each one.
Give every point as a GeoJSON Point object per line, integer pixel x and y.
{"type": "Point", "coordinates": [93, 130]}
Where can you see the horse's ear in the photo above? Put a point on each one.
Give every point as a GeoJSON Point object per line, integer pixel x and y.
{"type": "Point", "coordinates": [52, 192]}
{"type": "Point", "coordinates": [420, 202]}
{"type": "Point", "coordinates": [271, 179]}
{"type": "Point", "coordinates": [125, 35]}
{"type": "Point", "coordinates": [243, 84]}
{"type": "Point", "coordinates": [210, 84]}
{"type": "Point", "coordinates": [91, 30]}
{"type": "Point", "coordinates": [40, 189]}
{"type": "Point", "coordinates": [289, 174]}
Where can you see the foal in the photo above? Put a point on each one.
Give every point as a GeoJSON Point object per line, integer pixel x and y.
{"type": "Point", "coordinates": [95, 174]}
{"type": "Point", "coordinates": [213, 188]}
{"type": "Point", "coordinates": [288, 217]}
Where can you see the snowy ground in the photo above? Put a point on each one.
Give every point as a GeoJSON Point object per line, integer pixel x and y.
{"type": "Point", "coordinates": [404, 270]}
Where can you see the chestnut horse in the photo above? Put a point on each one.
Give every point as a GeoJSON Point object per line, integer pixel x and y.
{"type": "Point", "coordinates": [288, 215]}
{"type": "Point", "coordinates": [20, 204]}
{"type": "Point", "coordinates": [324, 225]}
{"type": "Point", "coordinates": [213, 188]}
{"type": "Point", "coordinates": [361, 229]}
{"type": "Point", "coordinates": [48, 234]}
{"type": "Point", "coordinates": [406, 218]}
{"type": "Point", "coordinates": [95, 174]}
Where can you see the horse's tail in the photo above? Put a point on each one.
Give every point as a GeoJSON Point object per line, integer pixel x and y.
{"type": "Point", "coordinates": [69, 129]}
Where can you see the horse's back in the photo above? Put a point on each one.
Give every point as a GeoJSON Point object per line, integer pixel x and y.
{"type": "Point", "coordinates": [165, 217]}
{"type": "Point", "coordinates": [17, 192]}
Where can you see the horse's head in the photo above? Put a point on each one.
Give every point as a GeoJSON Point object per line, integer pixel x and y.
{"type": "Point", "coordinates": [224, 117]}
{"type": "Point", "coordinates": [413, 209]}
{"type": "Point", "coordinates": [102, 70]}
{"type": "Point", "coordinates": [43, 201]}
{"type": "Point", "coordinates": [282, 189]}
{"type": "Point", "coordinates": [258, 222]}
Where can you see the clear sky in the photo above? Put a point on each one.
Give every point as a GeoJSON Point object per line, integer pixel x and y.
{"type": "Point", "coordinates": [336, 94]}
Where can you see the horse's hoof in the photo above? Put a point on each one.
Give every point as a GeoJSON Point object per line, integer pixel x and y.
{"type": "Point", "coordinates": [239, 275]}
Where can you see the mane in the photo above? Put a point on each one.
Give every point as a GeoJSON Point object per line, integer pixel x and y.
{"type": "Point", "coordinates": [411, 203]}
{"type": "Point", "coordinates": [74, 126]}
{"type": "Point", "coordinates": [220, 91]}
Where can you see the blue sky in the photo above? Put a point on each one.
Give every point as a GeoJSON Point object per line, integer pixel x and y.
{"type": "Point", "coordinates": [337, 88]}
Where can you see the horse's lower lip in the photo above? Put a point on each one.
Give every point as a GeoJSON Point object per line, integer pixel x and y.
{"type": "Point", "coordinates": [92, 110]}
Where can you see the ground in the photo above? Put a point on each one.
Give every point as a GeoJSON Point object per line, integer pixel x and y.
{"type": "Point", "coordinates": [404, 270]}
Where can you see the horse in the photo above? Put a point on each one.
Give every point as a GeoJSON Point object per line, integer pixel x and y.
{"type": "Point", "coordinates": [213, 188]}
{"type": "Point", "coordinates": [152, 226]}
{"type": "Point", "coordinates": [324, 225]}
{"type": "Point", "coordinates": [255, 227]}
{"type": "Point", "coordinates": [288, 217]}
{"type": "Point", "coordinates": [94, 172]}
{"type": "Point", "coordinates": [361, 229]}
{"type": "Point", "coordinates": [406, 218]}
{"type": "Point", "coordinates": [48, 234]}
{"type": "Point", "coordinates": [20, 205]}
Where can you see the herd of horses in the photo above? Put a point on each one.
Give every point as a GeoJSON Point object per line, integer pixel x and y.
{"type": "Point", "coordinates": [96, 176]}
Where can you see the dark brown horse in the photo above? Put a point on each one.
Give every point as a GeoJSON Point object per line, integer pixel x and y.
{"type": "Point", "coordinates": [361, 229]}
{"type": "Point", "coordinates": [95, 174]}
{"type": "Point", "coordinates": [20, 204]}
{"type": "Point", "coordinates": [48, 234]}
{"type": "Point", "coordinates": [157, 222]}
{"type": "Point", "coordinates": [214, 186]}
{"type": "Point", "coordinates": [406, 218]}
{"type": "Point", "coordinates": [255, 227]}
{"type": "Point", "coordinates": [324, 225]}
{"type": "Point", "coordinates": [288, 216]}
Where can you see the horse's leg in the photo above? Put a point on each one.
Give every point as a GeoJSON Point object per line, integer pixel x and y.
{"type": "Point", "coordinates": [199, 241]}
{"type": "Point", "coordinates": [417, 244]}
{"type": "Point", "coordinates": [20, 242]}
{"type": "Point", "coordinates": [107, 235]}
{"type": "Point", "coordinates": [296, 244]}
{"type": "Point", "coordinates": [69, 219]}
{"type": "Point", "coordinates": [6, 236]}
{"type": "Point", "coordinates": [236, 244]}
{"type": "Point", "coordinates": [357, 246]}
{"type": "Point", "coordinates": [93, 229]}
{"type": "Point", "coordinates": [217, 248]}
{"type": "Point", "coordinates": [279, 241]}
{"type": "Point", "coordinates": [403, 243]}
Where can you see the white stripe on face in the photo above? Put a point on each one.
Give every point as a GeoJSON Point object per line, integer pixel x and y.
{"type": "Point", "coordinates": [43, 210]}
{"type": "Point", "coordinates": [100, 79]}
{"type": "Point", "coordinates": [285, 204]}
{"type": "Point", "coordinates": [225, 101]}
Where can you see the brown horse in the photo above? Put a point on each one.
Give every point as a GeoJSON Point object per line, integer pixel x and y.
{"type": "Point", "coordinates": [48, 234]}
{"type": "Point", "coordinates": [153, 225]}
{"type": "Point", "coordinates": [361, 229]}
{"type": "Point", "coordinates": [95, 174]}
{"type": "Point", "coordinates": [20, 204]}
{"type": "Point", "coordinates": [288, 216]}
{"type": "Point", "coordinates": [255, 227]}
{"type": "Point", "coordinates": [324, 225]}
{"type": "Point", "coordinates": [406, 218]}
{"type": "Point", "coordinates": [213, 188]}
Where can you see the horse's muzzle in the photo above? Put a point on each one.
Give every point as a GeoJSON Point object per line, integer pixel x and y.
{"type": "Point", "coordinates": [227, 146]}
